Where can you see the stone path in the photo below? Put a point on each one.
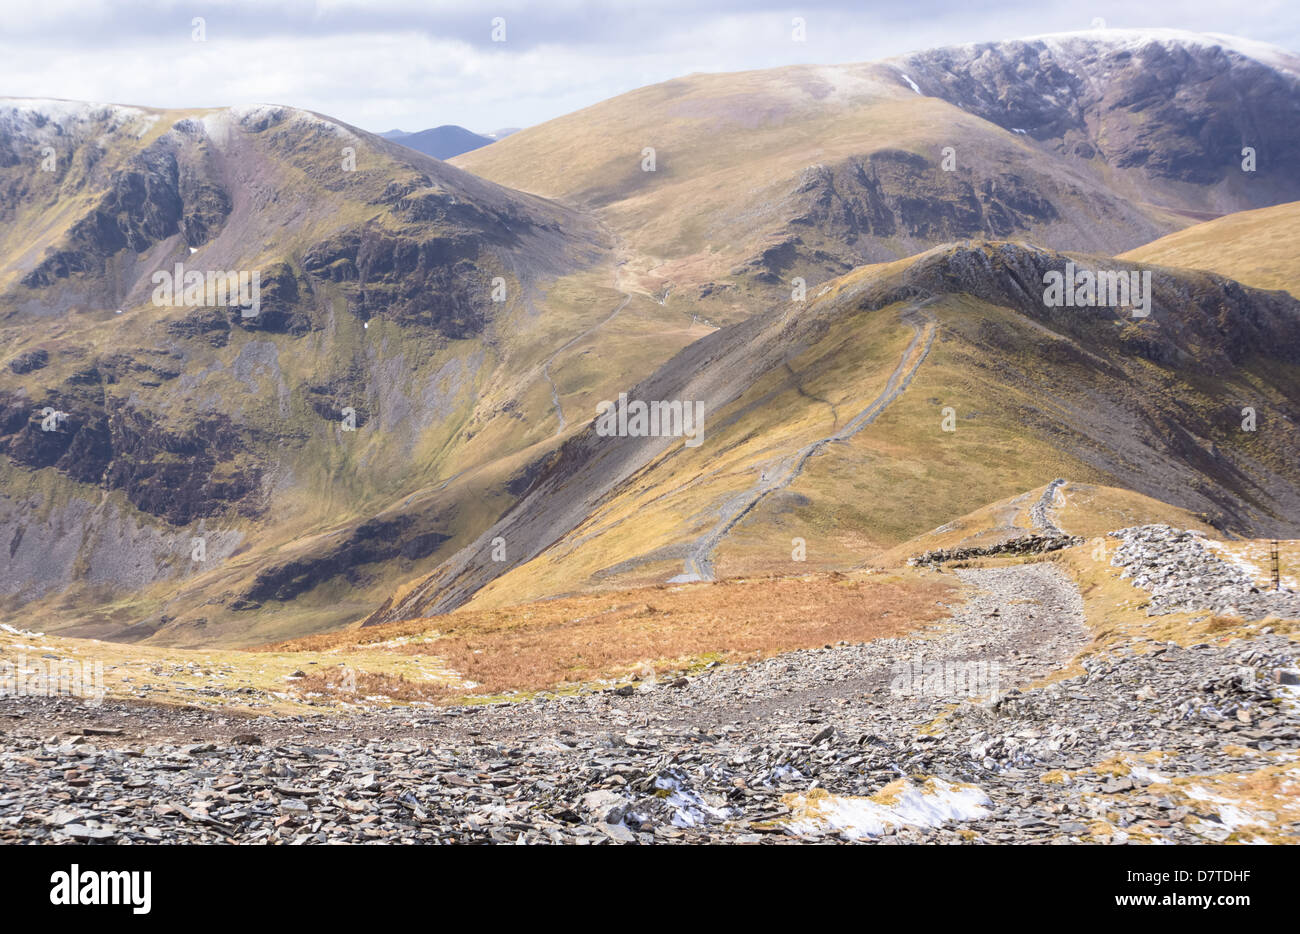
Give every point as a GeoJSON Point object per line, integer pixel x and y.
{"type": "Point", "coordinates": [874, 742]}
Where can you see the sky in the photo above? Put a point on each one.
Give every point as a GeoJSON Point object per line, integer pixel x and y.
{"type": "Point", "coordinates": [385, 64]}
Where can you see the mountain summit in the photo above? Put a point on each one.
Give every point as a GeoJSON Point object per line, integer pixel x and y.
{"type": "Point", "coordinates": [441, 142]}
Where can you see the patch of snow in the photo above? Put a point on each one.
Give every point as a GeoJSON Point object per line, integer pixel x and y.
{"type": "Point", "coordinates": [923, 806]}
{"type": "Point", "coordinates": [65, 112]}
{"type": "Point", "coordinates": [787, 773]}
{"type": "Point", "coordinates": [910, 82]}
{"type": "Point", "coordinates": [1240, 557]}
{"type": "Point", "coordinates": [689, 809]}
{"type": "Point", "coordinates": [690, 578]}
{"type": "Point", "coordinates": [1146, 774]}
{"type": "Point", "coordinates": [1232, 816]}
{"type": "Point", "coordinates": [1262, 52]}
{"type": "Point", "coordinates": [21, 632]}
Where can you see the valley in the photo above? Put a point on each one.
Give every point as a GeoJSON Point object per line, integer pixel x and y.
{"type": "Point", "coordinates": [728, 461]}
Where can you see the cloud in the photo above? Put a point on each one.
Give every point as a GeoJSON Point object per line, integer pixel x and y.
{"type": "Point", "coordinates": [416, 64]}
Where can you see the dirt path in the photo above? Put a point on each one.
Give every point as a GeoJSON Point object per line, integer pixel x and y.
{"type": "Point", "coordinates": [1040, 514]}
{"type": "Point", "coordinates": [778, 474]}
{"type": "Point", "coordinates": [1025, 619]}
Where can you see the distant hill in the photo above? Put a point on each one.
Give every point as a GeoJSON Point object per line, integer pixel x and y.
{"type": "Point", "coordinates": [1097, 142]}
{"type": "Point", "coordinates": [1257, 248]}
{"type": "Point", "coordinates": [441, 142]}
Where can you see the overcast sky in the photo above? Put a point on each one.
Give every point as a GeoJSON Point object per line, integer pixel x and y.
{"type": "Point", "coordinates": [381, 64]}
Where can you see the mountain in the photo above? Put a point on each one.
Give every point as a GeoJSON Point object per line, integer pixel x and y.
{"type": "Point", "coordinates": [825, 425]}
{"type": "Point", "coordinates": [441, 142]}
{"type": "Point", "coordinates": [1097, 142]}
{"type": "Point", "coordinates": [201, 479]}
{"type": "Point", "coordinates": [404, 422]}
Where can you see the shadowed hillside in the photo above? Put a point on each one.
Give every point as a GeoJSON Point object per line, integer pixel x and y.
{"type": "Point", "coordinates": [826, 424]}
{"type": "Point", "coordinates": [220, 470]}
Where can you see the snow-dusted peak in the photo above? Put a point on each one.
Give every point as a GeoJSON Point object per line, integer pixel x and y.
{"type": "Point", "coordinates": [1271, 55]}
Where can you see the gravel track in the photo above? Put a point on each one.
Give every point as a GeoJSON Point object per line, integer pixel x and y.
{"type": "Point", "coordinates": [733, 754]}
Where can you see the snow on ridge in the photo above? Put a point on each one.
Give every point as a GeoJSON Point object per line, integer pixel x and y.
{"type": "Point", "coordinates": [66, 112]}
{"type": "Point", "coordinates": [1064, 42]}
{"type": "Point", "coordinates": [43, 121]}
{"type": "Point", "coordinates": [244, 112]}
{"type": "Point", "coordinates": [1263, 52]}
{"type": "Point", "coordinates": [21, 114]}
{"type": "Point", "coordinates": [61, 107]}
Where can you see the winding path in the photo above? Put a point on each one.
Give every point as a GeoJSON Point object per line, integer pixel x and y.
{"type": "Point", "coordinates": [776, 476]}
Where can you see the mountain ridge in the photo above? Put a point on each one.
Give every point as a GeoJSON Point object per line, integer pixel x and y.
{"type": "Point", "coordinates": [378, 272]}
{"type": "Point", "coordinates": [1253, 490]}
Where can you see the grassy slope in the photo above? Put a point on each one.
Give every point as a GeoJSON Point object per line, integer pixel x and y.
{"type": "Point", "coordinates": [896, 478]}
{"type": "Point", "coordinates": [730, 151]}
{"type": "Point", "coordinates": [1257, 248]}
{"type": "Point", "coordinates": [1028, 402]}
{"type": "Point", "coordinates": [467, 414]}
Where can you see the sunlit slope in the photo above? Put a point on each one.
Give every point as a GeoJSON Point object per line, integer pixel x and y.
{"type": "Point", "coordinates": [827, 424]}
{"type": "Point", "coordinates": [803, 171]}
{"type": "Point", "coordinates": [1084, 509]}
{"type": "Point", "coordinates": [1260, 248]}
{"type": "Point", "coordinates": [204, 486]}
{"type": "Point", "coordinates": [1094, 141]}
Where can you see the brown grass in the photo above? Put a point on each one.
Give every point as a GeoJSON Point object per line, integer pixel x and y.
{"type": "Point", "coordinates": [356, 685]}
{"type": "Point", "coordinates": [652, 629]}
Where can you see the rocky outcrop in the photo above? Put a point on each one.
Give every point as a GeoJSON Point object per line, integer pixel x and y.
{"type": "Point", "coordinates": [433, 282]}
{"type": "Point", "coordinates": [1182, 574]}
{"type": "Point", "coordinates": [162, 191]}
{"type": "Point", "coordinates": [370, 542]}
{"type": "Point", "coordinates": [177, 476]}
{"type": "Point", "coordinates": [1021, 545]}
{"type": "Point", "coordinates": [1174, 106]}
{"type": "Point", "coordinates": [29, 361]}
{"type": "Point", "coordinates": [1200, 319]}
{"type": "Point", "coordinates": [893, 193]}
